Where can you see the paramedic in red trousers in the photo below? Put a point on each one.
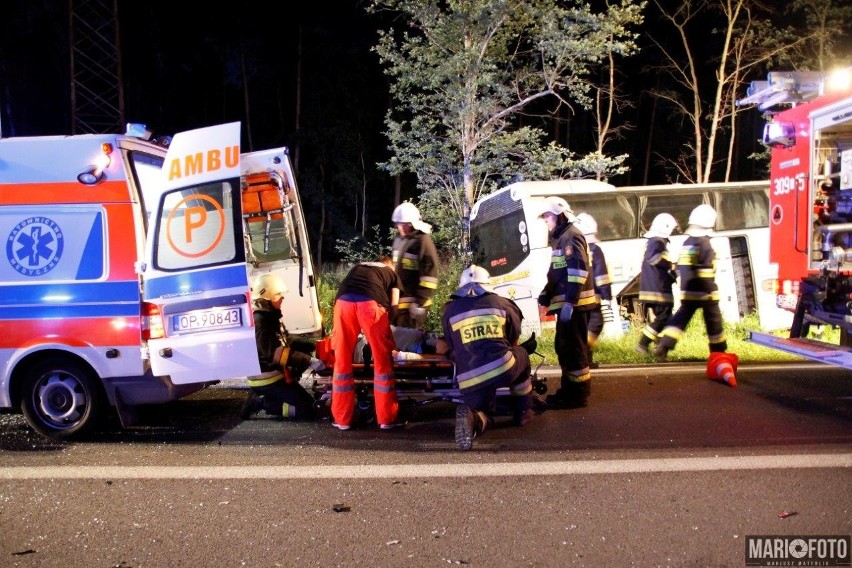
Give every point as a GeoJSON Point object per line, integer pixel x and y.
{"type": "Point", "coordinates": [602, 283]}
{"type": "Point", "coordinates": [696, 266]}
{"type": "Point", "coordinates": [656, 280]}
{"type": "Point", "coordinates": [481, 330]}
{"type": "Point", "coordinates": [366, 300]}
{"type": "Point", "coordinates": [277, 390]}
{"type": "Point", "coordinates": [569, 294]}
{"type": "Point", "coordinates": [416, 261]}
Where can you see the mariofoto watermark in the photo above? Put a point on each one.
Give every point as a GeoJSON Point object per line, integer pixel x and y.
{"type": "Point", "coordinates": [797, 550]}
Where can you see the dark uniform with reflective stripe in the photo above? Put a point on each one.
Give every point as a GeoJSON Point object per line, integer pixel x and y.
{"type": "Point", "coordinates": [568, 281]}
{"type": "Point", "coordinates": [482, 331]}
{"type": "Point", "coordinates": [603, 293]}
{"type": "Point", "coordinates": [697, 268]}
{"type": "Point", "coordinates": [279, 386]}
{"type": "Point", "coordinates": [416, 261]}
{"type": "Point", "coordinates": [655, 288]}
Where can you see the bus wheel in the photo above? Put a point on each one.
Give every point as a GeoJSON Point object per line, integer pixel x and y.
{"type": "Point", "coordinates": [62, 398]}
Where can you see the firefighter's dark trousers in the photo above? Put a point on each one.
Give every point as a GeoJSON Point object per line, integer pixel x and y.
{"type": "Point", "coordinates": [662, 314]}
{"type": "Point", "coordinates": [672, 333]}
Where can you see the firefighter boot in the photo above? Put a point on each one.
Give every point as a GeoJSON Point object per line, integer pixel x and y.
{"type": "Point", "coordinates": [469, 424]}
{"type": "Point", "coordinates": [661, 351]}
{"type": "Point", "coordinates": [522, 411]}
{"type": "Point", "coordinates": [252, 405]}
{"type": "Point", "coordinates": [572, 395]}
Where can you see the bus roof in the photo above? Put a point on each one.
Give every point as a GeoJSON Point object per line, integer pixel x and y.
{"type": "Point", "coordinates": [728, 186]}
{"type": "Point", "coordinates": [577, 186]}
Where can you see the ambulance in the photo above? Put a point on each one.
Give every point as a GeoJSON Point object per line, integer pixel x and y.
{"type": "Point", "coordinates": [127, 269]}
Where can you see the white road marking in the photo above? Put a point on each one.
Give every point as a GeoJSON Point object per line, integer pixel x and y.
{"type": "Point", "coordinates": [394, 471]}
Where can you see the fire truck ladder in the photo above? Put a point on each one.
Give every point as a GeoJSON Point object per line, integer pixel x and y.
{"type": "Point", "coordinates": [812, 349]}
{"type": "Point", "coordinates": [783, 87]}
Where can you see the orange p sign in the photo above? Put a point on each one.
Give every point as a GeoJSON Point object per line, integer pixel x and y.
{"type": "Point", "coordinates": [194, 217]}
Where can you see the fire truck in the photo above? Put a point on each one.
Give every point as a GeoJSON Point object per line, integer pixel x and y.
{"type": "Point", "coordinates": [809, 134]}
{"type": "Point", "coordinates": [128, 265]}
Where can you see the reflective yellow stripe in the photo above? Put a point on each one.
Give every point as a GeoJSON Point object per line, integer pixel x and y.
{"type": "Point", "coordinates": [263, 381]}
{"type": "Point", "coordinates": [485, 372]}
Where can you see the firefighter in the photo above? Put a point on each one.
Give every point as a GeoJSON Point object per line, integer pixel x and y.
{"type": "Point", "coordinates": [481, 330]}
{"type": "Point", "coordinates": [416, 261]}
{"type": "Point", "coordinates": [602, 313]}
{"type": "Point", "coordinates": [569, 293]}
{"type": "Point", "coordinates": [277, 390]}
{"type": "Point", "coordinates": [366, 300]}
{"type": "Point", "coordinates": [656, 280]}
{"type": "Point", "coordinates": [696, 266]}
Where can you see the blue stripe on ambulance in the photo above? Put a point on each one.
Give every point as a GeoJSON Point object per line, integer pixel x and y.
{"type": "Point", "coordinates": [38, 294]}
{"type": "Point", "coordinates": [92, 262]}
{"type": "Point", "coordinates": [220, 278]}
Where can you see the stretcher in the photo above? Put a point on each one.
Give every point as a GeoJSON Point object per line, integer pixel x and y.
{"type": "Point", "coordinates": [418, 383]}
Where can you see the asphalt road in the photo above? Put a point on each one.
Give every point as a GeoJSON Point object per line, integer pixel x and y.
{"type": "Point", "coordinates": [664, 468]}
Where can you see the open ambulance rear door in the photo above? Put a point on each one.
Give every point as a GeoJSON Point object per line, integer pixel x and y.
{"type": "Point", "coordinates": [195, 272]}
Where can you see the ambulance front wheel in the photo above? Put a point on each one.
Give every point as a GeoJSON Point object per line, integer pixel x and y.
{"type": "Point", "coordinates": [62, 398]}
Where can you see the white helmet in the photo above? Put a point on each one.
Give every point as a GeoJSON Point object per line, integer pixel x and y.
{"type": "Point", "coordinates": [662, 226]}
{"type": "Point", "coordinates": [558, 206]}
{"type": "Point", "coordinates": [474, 273]}
{"type": "Point", "coordinates": [268, 286]}
{"type": "Point", "coordinates": [587, 224]}
{"type": "Point", "coordinates": [703, 217]}
{"type": "Point", "coordinates": [407, 212]}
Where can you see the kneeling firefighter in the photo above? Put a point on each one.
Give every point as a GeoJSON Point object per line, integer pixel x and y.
{"type": "Point", "coordinates": [277, 390]}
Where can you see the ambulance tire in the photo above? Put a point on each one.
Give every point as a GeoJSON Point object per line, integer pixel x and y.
{"type": "Point", "coordinates": [62, 398]}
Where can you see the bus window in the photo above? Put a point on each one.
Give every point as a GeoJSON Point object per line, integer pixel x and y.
{"type": "Point", "coordinates": [678, 206]}
{"type": "Point", "coordinates": [742, 210]}
{"type": "Point", "coordinates": [613, 213]}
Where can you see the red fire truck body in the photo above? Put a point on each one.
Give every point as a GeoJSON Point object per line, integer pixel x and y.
{"type": "Point", "coordinates": [810, 209]}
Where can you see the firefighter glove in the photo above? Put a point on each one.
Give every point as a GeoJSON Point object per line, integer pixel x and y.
{"type": "Point", "coordinates": [317, 364]}
{"type": "Point", "coordinates": [606, 312]}
{"type": "Point", "coordinates": [543, 300]}
{"type": "Point", "coordinates": [565, 313]}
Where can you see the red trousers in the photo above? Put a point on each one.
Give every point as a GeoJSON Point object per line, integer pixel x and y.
{"type": "Point", "coordinates": [350, 318]}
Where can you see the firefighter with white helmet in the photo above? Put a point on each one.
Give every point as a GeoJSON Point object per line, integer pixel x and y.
{"type": "Point", "coordinates": [277, 390]}
{"type": "Point", "coordinates": [416, 261]}
{"type": "Point", "coordinates": [602, 283]}
{"type": "Point", "coordinates": [656, 280]}
{"type": "Point", "coordinates": [481, 330]}
{"type": "Point", "coordinates": [696, 265]}
{"type": "Point", "coordinates": [570, 295]}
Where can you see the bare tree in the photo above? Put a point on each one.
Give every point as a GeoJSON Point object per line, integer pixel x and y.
{"type": "Point", "coordinates": [747, 41]}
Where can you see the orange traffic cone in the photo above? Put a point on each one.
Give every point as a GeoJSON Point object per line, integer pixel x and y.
{"type": "Point", "coordinates": [723, 366]}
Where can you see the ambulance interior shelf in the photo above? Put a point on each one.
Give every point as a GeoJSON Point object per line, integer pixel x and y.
{"type": "Point", "coordinates": [265, 199]}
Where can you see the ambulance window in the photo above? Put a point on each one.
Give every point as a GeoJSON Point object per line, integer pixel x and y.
{"type": "Point", "coordinates": [199, 226]}
{"type": "Point", "coordinates": [148, 176]}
